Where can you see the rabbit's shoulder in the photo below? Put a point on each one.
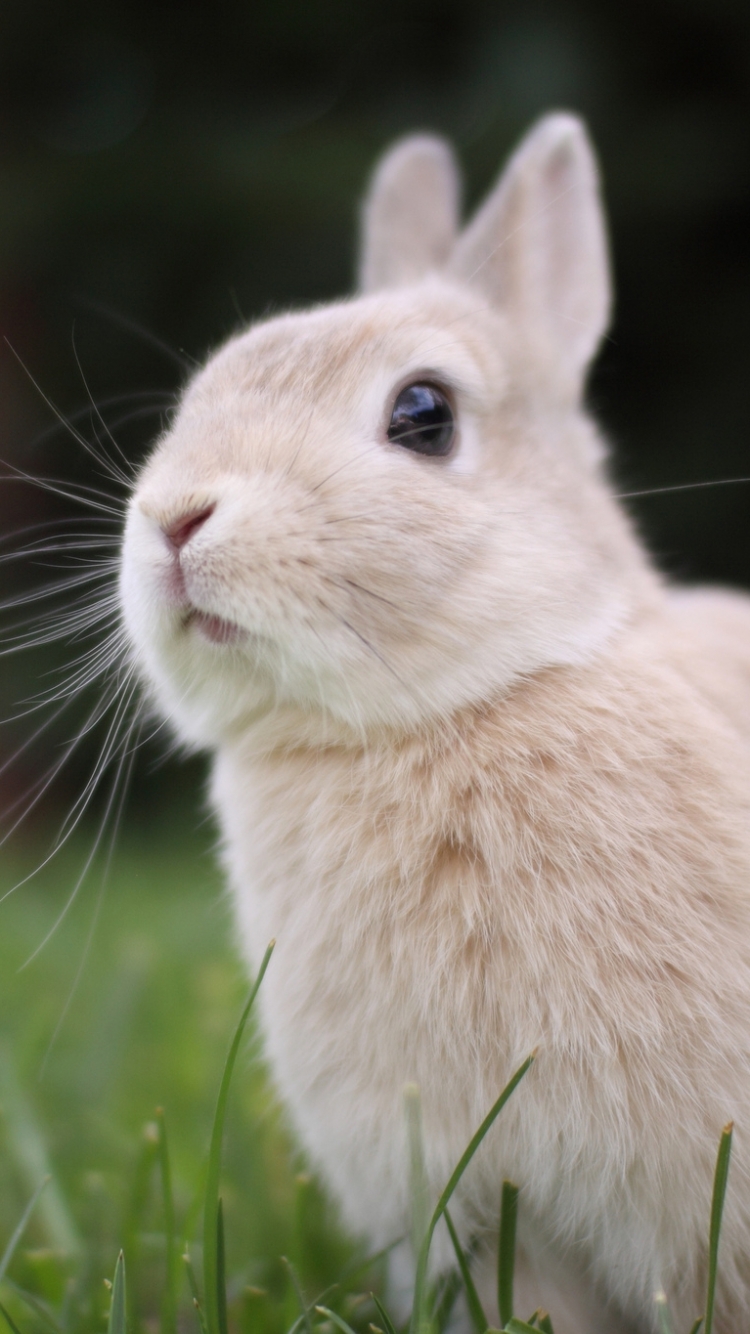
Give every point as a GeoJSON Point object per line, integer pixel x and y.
{"type": "Point", "coordinates": [706, 632]}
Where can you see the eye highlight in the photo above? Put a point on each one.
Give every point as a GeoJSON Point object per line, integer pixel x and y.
{"type": "Point", "coordinates": [422, 420]}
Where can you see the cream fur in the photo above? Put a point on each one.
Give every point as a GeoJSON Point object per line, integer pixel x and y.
{"type": "Point", "coordinates": [482, 774]}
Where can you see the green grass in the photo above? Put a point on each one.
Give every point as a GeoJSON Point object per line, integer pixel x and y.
{"type": "Point", "coordinates": [123, 1147]}
{"type": "Point", "coordinates": [147, 1028]}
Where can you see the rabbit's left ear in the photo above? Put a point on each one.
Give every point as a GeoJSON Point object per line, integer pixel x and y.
{"type": "Point", "coordinates": [410, 214]}
{"type": "Point", "coordinates": [537, 249]}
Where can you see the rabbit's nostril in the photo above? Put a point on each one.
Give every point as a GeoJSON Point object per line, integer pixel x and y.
{"type": "Point", "coordinates": [181, 531]}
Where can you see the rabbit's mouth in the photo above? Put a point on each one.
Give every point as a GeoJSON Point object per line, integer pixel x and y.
{"type": "Point", "coordinates": [213, 628]}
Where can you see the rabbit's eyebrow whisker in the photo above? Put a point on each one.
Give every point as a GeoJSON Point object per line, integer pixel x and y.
{"type": "Point", "coordinates": [682, 486]}
{"type": "Point", "coordinates": [126, 477]}
{"type": "Point", "coordinates": [113, 470]}
{"type": "Point", "coordinates": [347, 463]}
{"type": "Point", "coordinates": [183, 360]}
{"type": "Point", "coordinates": [538, 213]}
{"type": "Point", "coordinates": [160, 399]}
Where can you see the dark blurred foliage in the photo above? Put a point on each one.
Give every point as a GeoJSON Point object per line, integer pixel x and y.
{"type": "Point", "coordinates": [168, 170]}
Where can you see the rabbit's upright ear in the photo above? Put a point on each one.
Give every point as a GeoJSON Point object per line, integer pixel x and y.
{"type": "Point", "coordinates": [537, 248]}
{"type": "Point", "coordinates": [410, 214]}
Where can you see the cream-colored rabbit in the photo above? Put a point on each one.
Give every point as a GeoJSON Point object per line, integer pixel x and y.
{"type": "Point", "coordinates": [482, 773]}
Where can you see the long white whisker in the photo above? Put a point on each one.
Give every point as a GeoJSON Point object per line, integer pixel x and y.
{"type": "Point", "coordinates": [682, 486]}
{"type": "Point", "coordinates": [82, 497]}
{"type": "Point", "coordinates": [74, 892]}
{"type": "Point", "coordinates": [127, 761]}
{"type": "Point", "coordinates": [108, 749]}
{"type": "Point", "coordinates": [112, 470]}
{"type": "Point", "coordinates": [43, 785]}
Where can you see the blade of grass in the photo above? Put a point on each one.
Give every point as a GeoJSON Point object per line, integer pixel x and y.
{"type": "Point", "coordinates": [418, 1174]}
{"type": "Point", "coordinates": [717, 1208]}
{"type": "Point", "coordinates": [544, 1323]}
{"type": "Point", "coordinates": [30, 1154]}
{"type": "Point", "coordinates": [388, 1324]}
{"type": "Point", "coordinates": [169, 1300]}
{"type": "Point", "coordinates": [20, 1228]}
{"type": "Point", "coordinates": [194, 1290]}
{"type": "Point", "coordinates": [221, 1270]}
{"type": "Point", "coordinates": [419, 1321]}
{"type": "Point", "coordinates": [305, 1309]}
{"type": "Point", "coordinates": [11, 1322]}
{"type": "Point", "coordinates": [38, 1307]}
{"type": "Point", "coordinates": [301, 1319]}
{"type": "Point", "coordinates": [445, 1301]}
{"type": "Point", "coordinates": [695, 1329]}
{"type": "Point", "coordinates": [506, 1251]}
{"type": "Point", "coordinates": [132, 1223]}
{"type": "Point", "coordinates": [356, 1266]}
{"type": "Point", "coordinates": [211, 1296]}
{"type": "Point", "coordinates": [116, 1322]}
{"type": "Point", "coordinates": [335, 1319]}
{"type": "Point", "coordinates": [516, 1326]}
{"type": "Point", "coordinates": [478, 1318]}
{"type": "Point", "coordinates": [662, 1313]}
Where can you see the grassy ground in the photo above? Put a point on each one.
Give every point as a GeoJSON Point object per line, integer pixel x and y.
{"type": "Point", "coordinates": [94, 1040]}
{"type": "Point", "coordinates": [149, 1025]}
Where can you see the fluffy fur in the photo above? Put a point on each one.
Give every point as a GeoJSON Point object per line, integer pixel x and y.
{"type": "Point", "coordinates": [481, 772]}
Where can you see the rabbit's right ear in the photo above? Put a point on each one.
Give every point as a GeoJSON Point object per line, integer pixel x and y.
{"type": "Point", "coordinates": [410, 214]}
{"type": "Point", "coordinates": [537, 249]}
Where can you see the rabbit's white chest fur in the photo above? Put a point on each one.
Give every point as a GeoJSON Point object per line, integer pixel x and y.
{"type": "Point", "coordinates": [481, 775]}
{"type": "Point", "coordinates": [442, 912]}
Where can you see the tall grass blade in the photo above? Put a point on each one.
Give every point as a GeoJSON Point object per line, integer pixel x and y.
{"type": "Point", "coordinates": [445, 1301]}
{"type": "Point", "coordinates": [169, 1300]}
{"type": "Point", "coordinates": [476, 1312]}
{"type": "Point", "coordinates": [545, 1324]}
{"type": "Point", "coordinates": [388, 1324]}
{"type": "Point", "coordinates": [38, 1307]}
{"type": "Point", "coordinates": [516, 1326]}
{"type": "Point", "coordinates": [419, 1190]}
{"type": "Point", "coordinates": [335, 1319]}
{"type": "Point", "coordinates": [211, 1296]}
{"type": "Point", "coordinates": [662, 1314]}
{"type": "Point", "coordinates": [132, 1223]}
{"type": "Point", "coordinates": [695, 1329]}
{"type": "Point", "coordinates": [116, 1323]}
{"type": "Point", "coordinates": [221, 1271]}
{"type": "Point", "coordinates": [506, 1251]}
{"type": "Point", "coordinates": [419, 1321]}
{"type": "Point", "coordinates": [194, 1290]}
{"type": "Point", "coordinates": [10, 1321]}
{"type": "Point", "coordinates": [717, 1209]}
{"type": "Point", "coordinates": [304, 1308]}
{"type": "Point", "coordinates": [30, 1154]}
{"type": "Point", "coordinates": [20, 1228]}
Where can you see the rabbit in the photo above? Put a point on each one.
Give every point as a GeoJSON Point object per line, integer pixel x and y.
{"type": "Point", "coordinates": [479, 768]}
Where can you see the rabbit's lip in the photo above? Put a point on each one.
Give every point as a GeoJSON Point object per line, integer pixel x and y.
{"type": "Point", "coordinates": [213, 628]}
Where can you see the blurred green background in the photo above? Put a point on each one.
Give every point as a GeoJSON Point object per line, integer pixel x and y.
{"type": "Point", "coordinates": [168, 171]}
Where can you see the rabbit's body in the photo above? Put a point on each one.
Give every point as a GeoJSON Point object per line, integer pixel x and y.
{"type": "Point", "coordinates": [479, 771]}
{"type": "Point", "coordinates": [444, 905]}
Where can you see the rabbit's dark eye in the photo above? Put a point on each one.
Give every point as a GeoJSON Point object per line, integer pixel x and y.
{"type": "Point", "coordinates": [422, 420]}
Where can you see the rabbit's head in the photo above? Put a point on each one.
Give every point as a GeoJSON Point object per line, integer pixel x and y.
{"type": "Point", "coordinates": [381, 510]}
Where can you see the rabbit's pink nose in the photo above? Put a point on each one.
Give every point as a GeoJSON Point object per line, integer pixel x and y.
{"type": "Point", "coordinates": [181, 531]}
